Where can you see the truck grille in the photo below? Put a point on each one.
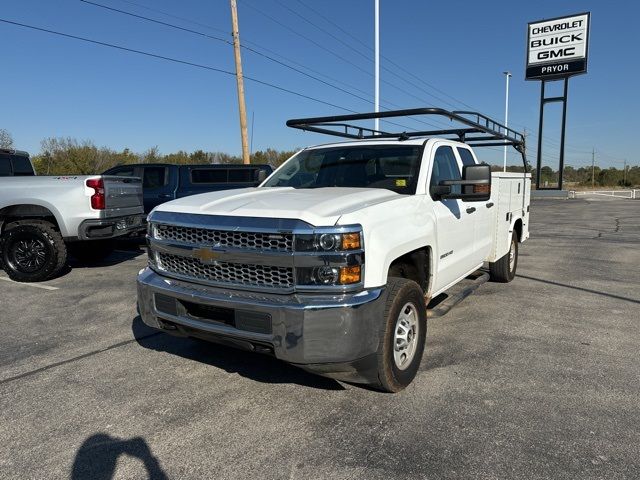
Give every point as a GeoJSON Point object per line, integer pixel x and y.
{"type": "Point", "coordinates": [241, 240]}
{"type": "Point", "coordinates": [227, 273]}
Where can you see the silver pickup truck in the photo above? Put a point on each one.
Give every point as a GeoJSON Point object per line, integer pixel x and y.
{"type": "Point", "coordinates": [44, 217]}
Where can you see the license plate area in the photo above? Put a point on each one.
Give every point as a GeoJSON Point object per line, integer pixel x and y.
{"type": "Point", "coordinates": [128, 222]}
{"type": "Point", "coordinates": [246, 320]}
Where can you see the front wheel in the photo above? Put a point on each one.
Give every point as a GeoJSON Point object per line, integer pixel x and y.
{"type": "Point", "coordinates": [32, 251]}
{"type": "Point", "coordinates": [402, 336]}
{"type": "Point", "coordinates": [504, 270]}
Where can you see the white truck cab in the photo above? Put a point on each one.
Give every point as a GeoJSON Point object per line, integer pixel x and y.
{"type": "Point", "coordinates": [329, 264]}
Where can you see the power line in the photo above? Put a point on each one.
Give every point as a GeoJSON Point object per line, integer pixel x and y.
{"type": "Point", "coordinates": [407, 72]}
{"type": "Point", "coordinates": [322, 47]}
{"type": "Point", "coordinates": [223, 40]}
{"type": "Point", "coordinates": [184, 62]}
{"type": "Point", "coordinates": [163, 12]}
{"type": "Point", "coordinates": [252, 50]}
{"type": "Point", "coordinates": [549, 140]}
{"type": "Point", "coordinates": [174, 60]}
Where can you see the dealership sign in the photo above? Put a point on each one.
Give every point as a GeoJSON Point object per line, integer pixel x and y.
{"type": "Point", "coordinates": [558, 47]}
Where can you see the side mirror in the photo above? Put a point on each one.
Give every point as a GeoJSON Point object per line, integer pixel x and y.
{"type": "Point", "coordinates": [475, 184]}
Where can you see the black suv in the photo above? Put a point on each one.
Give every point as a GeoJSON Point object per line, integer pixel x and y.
{"type": "Point", "coordinates": [162, 182]}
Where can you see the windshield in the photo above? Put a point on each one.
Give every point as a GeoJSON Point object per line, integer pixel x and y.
{"type": "Point", "coordinates": [391, 167]}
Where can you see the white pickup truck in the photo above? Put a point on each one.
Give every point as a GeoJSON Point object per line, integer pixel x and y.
{"type": "Point", "coordinates": [330, 263]}
{"type": "Point", "coordinates": [41, 217]}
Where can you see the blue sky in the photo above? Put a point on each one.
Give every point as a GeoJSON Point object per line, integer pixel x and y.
{"type": "Point", "coordinates": [54, 86]}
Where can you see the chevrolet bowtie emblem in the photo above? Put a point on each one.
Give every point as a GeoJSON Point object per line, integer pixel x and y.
{"type": "Point", "coordinates": [205, 255]}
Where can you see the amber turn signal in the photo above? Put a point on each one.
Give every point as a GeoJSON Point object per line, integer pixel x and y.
{"type": "Point", "coordinates": [349, 275]}
{"type": "Point", "coordinates": [350, 241]}
{"type": "Point", "coordinates": [482, 188]}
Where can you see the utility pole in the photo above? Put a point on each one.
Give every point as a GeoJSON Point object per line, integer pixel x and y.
{"type": "Point", "coordinates": [506, 117]}
{"type": "Point", "coordinates": [593, 168]}
{"type": "Point", "coordinates": [376, 102]}
{"type": "Point", "coordinates": [241, 105]}
{"type": "Point", "coordinates": [624, 175]}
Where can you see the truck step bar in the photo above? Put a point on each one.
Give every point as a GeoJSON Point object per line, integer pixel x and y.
{"type": "Point", "coordinates": [437, 309]}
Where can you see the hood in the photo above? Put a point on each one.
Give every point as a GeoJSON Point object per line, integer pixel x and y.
{"type": "Point", "coordinates": [318, 206]}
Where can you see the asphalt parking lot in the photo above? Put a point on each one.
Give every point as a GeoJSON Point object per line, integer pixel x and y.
{"type": "Point", "coordinates": [536, 379]}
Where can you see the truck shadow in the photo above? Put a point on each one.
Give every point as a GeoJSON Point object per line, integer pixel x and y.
{"type": "Point", "coordinates": [125, 250]}
{"type": "Point", "coordinates": [97, 457]}
{"type": "Point", "coordinates": [255, 366]}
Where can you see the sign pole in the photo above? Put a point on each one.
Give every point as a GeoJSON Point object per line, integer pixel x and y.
{"type": "Point", "coordinates": [564, 124]}
{"type": "Point", "coordinates": [539, 152]}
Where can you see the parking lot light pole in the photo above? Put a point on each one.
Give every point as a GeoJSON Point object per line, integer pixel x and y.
{"type": "Point", "coordinates": [376, 102]}
{"type": "Point", "coordinates": [506, 117]}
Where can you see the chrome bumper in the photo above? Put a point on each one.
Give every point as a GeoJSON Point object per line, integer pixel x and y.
{"type": "Point", "coordinates": [324, 333]}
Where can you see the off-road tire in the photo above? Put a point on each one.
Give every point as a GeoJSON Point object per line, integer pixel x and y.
{"type": "Point", "coordinates": [91, 251]}
{"type": "Point", "coordinates": [41, 236]}
{"type": "Point", "coordinates": [400, 293]}
{"type": "Point", "coordinates": [503, 271]}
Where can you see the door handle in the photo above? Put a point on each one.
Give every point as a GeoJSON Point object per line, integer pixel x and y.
{"type": "Point", "coordinates": [165, 195]}
{"type": "Point", "coordinates": [490, 204]}
{"type": "Point", "coordinates": [471, 209]}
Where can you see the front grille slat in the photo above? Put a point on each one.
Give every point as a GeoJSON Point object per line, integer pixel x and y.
{"type": "Point", "coordinates": [282, 242]}
{"type": "Point", "coordinates": [262, 276]}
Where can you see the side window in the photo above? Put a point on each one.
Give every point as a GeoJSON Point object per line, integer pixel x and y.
{"type": "Point", "coordinates": [241, 175]}
{"type": "Point", "coordinates": [154, 177]}
{"type": "Point", "coordinates": [466, 156]}
{"type": "Point", "coordinates": [445, 167]}
{"type": "Point", "coordinates": [5, 165]}
{"type": "Point", "coordinates": [123, 172]}
{"type": "Point", "coordinates": [22, 166]}
{"type": "Point", "coordinates": [209, 175]}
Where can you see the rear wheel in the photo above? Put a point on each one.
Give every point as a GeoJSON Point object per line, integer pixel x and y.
{"type": "Point", "coordinates": [32, 251]}
{"type": "Point", "coordinates": [504, 270]}
{"type": "Point", "coordinates": [402, 336]}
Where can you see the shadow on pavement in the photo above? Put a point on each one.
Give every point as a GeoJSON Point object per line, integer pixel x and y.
{"type": "Point", "coordinates": [255, 366]}
{"type": "Point", "coordinates": [581, 289]}
{"type": "Point", "coordinates": [98, 455]}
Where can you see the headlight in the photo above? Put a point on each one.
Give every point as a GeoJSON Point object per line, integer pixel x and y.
{"type": "Point", "coordinates": [329, 276]}
{"type": "Point", "coordinates": [329, 242]}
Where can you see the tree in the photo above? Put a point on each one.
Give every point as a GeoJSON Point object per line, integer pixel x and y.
{"type": "Point", "coordinates": [6, 140]}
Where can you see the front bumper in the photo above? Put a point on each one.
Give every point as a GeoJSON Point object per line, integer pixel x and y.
{"type": "Point", "coordinates": [336, 335]}
{"type": "Point", "coordinates": [105, 228]}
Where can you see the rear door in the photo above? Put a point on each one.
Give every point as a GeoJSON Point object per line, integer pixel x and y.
{"type": "Point", "coordinates": [157, 185]}
{"type": "Point", "coordinates": [484, 222]}
{"type": "Point", "coordinates": [454, 225]}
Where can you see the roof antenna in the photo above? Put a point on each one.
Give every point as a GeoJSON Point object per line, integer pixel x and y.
{"type": "Point", "coordinates": [403, 136]}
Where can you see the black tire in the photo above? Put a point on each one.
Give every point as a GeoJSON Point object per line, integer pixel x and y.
{"type": "Point", "coordinates": [32, 251]}
{"type": "Point", "coordinates": [503, 271]}
{"type": "Point", "coordinates": [91, 251]}
{"type": "Point", "coordinates": [402, 294]}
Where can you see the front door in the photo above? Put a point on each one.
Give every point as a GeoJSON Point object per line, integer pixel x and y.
{"type": "Point", "coordinates": [454, 250]}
